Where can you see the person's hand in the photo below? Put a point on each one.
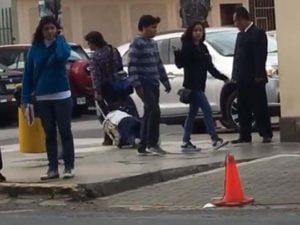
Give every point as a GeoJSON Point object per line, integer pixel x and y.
{"type": "Point", "coordinates": [167, 87]}
{"type": "Point", "coordinates": [226, 80]}
{"type": "Point", "coordinates": [140, 91]}
{"type": "Point", "coordinates": [29, 114]}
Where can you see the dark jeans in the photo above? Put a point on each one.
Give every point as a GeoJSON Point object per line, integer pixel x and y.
{"type": "Point", "coordinates": [151, 117]}
{"type": "Point", "coordinates": [129, 130]}
{"type": "Point", "coordinates": [55, 113]}
{"type": "Point", "coordinates": [252, 99]}
{"type": "Point", "coordinates": [199, 100]}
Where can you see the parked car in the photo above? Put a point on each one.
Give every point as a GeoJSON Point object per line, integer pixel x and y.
{"type": "Point", "coordinates": [12, 63]}
{"type": "Point", "coordinates": [8, 79]}
{"type": "Point", "coordinates": [222, 98]}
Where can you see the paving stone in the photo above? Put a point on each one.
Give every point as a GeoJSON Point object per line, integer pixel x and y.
{"type": "Point", "coordinates": [273, 181]}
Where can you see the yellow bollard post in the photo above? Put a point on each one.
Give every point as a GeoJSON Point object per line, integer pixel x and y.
{"type": "Point", "coordinates": [31, 138]}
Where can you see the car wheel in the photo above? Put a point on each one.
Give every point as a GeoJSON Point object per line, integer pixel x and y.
{"type": "Point", "coordinates": [232, 113]}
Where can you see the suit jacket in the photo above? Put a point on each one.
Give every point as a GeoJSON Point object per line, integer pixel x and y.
{"type": "Point", "coordinates": [250, 56]}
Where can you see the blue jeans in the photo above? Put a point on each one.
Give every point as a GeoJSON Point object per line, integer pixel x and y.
{"type": "Point", "coordinates": [129, 129]}
{"type": "Point", "coordinates": [55, 113]}
{"type": "Point", "coordinates": [199, 100]}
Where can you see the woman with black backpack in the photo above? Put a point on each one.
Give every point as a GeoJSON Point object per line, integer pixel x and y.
{"type": "Point", "coordinates": [196, 61]}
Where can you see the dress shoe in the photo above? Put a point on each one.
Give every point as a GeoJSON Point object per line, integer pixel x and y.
{"type": "Point", "coordinates": [266, 140]}
{"type": "Point", "coordinates": [240, 141]}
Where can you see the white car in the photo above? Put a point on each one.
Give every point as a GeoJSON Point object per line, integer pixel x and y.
{"type": "Point", "coordinates": [222, 98]}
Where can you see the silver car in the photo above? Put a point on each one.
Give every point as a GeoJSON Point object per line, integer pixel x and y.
{"type": "Point", "coordinates": [222, 98]}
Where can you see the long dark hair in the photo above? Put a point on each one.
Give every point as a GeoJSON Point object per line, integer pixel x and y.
{"type": "Point", "coordinates": [188, 34]}
{"type": "Point", "coordinates": [96, 38]}
{"type": "Point", "coordinates": [38, 36]}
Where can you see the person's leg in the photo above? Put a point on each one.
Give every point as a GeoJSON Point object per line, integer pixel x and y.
{"type": "Point", "coordinates": [245, 112]}
{"type": "Point", "coordinates": [190, 119]}
{"type": "Point", "coordinates": [261, 111]}
{"type": "Point", "coordinates": [124, 129]}
{"type": "Point", "coordinates": [208, 117]}
{"type": "Point", "coordinates": [144, 123]}
{"type": "Point", "coordinates": [47, 115]}
{"type": "Point", "coordinates": [152, 98]}
{"type": "Point", "coordinates": [63, 114]}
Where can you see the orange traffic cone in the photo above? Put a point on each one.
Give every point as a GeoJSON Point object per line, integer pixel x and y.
{"type": "Point", "coordinates": [233, 190]}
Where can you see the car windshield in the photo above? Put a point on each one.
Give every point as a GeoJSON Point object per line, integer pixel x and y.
{"type": "Point", "coordinates": [77, 53]}
{"type": "Point", "coordinates": [224, 42]}
{"type": "Point", "coordinates": [14, 59]}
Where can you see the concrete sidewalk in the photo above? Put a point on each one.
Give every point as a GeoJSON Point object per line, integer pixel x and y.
{"type": "Point", "coordinates": [104, 171]}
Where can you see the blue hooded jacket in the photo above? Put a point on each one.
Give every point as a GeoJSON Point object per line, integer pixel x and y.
{"type": "Point", "coordinates": [45, 69]}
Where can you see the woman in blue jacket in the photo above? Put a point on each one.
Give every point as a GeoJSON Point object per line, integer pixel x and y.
{"type": "Point", "coordinates": [45, 77]}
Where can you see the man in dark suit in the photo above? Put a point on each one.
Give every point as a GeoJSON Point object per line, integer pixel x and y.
{"type": "Point", "coordinates": [249, 73]}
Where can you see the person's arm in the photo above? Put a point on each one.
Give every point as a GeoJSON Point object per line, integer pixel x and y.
{"type": "Point", "coordinates": [117, 60]}
{"type": "Point", "coordinates": [163, 77]}
{"type": "Point", "coordinates": [96, 73]}
{"type": "Point", "coordinates": [211, 67]}
{"type": "Point", "coordinates": [187, 55]}
{"type": "Point", "coordinates": [134, 63]}
{"type": "Point", "coordinates": [63, 49]}
{"type": "Point", "coordinates": [28, 80]}
{"type": "Point", "coordinates": [234, 75]}
{"type": "Point", "coordinates": [260, 55]}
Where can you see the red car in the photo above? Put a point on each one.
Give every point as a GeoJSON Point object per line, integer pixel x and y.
{"type": "Point", "coordinates": [12, 63]}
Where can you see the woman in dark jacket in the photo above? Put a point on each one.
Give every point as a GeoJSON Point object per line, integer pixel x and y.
{"type": "Point", "coordinates": [105, 62]}
{"type": "Point", "coordinates": [196, 62]}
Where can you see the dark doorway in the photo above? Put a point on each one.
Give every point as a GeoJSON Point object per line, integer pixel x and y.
{"type": "Point", "coordinates": [227, 11]}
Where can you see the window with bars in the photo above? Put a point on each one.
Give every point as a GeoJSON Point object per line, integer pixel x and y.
{"type": "Point", "coordinates": [262, 13]}
{"type": "Point", "coordinates": [6, 32]}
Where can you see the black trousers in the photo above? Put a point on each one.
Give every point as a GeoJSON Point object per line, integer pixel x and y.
{"type": "Point", "coordinates": [252, 101]}
{"type": "Point", "coordinates": [151, 117]}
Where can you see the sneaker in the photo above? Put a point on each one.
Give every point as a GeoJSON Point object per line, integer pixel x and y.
{"type": "Point", "coordinates": [68, 173]}
{"type": "Point", "coordinates": [50, 175]}
{"type": "Point", "coordinates": [266, 140]}
{"type": "Point", "coordinates": [157, 150]}
{"type": "Point", "coordinates": [188, 146]}
{"type": "Point", "coordinates": [219, 143]}
{"type": "Point", "coordinates": [144, 152]}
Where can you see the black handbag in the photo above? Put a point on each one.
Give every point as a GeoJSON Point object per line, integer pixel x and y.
{"type": "Point", "coordinates": [185, 95]}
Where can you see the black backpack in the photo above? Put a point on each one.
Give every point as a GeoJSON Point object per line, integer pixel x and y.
{"type": "Point", "coordinates": [178, 58]}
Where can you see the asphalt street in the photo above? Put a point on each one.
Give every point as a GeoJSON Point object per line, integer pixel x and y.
{"type": "Point", "coordinates": [220, 217]}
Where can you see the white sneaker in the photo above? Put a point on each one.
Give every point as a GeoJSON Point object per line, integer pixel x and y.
{"type": "Point", "coordinates": [68, 174]}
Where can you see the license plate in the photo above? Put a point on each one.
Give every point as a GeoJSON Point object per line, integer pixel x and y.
{"type": "Point", "coordinates": [10, 86]}
{"type": "Point", "coordinates": [81, 101]}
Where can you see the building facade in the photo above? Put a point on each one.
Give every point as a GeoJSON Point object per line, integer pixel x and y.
{"type": "Point", "coordinates": [116, 19]}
